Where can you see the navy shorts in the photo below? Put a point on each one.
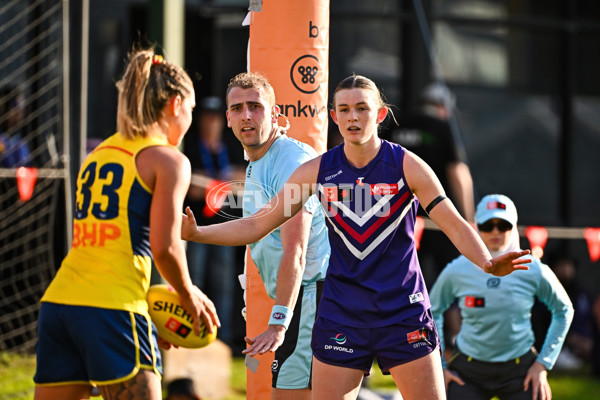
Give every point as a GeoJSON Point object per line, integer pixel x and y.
{"type": "Point", "coordinates": [392, 345]}
{"type": "Point", "coordinates": [91, 345]}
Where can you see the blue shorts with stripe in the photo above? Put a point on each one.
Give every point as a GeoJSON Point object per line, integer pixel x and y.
{"type": "Point", "coordinates": [78, 344]}
{"type": "Point", "coordinates": [392, 345]}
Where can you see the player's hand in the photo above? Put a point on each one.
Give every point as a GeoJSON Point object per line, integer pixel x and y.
{"type": "Point", "coordinates": [451, 376]}
{"type": "Point", "coordinates": [164, 344]}
{"type": "Point", "coordinates": [201, 308]}
{"type": "Point", "coordinates": [269, 340]}
{"type": "Point", "coordinates": [209, 312]}
{"type": "Point", "coordinates": [537, 377]}
{"type": "Point", "coordinates": [507, 263]}
{"type": "Point", "coordinates": [188, 225]}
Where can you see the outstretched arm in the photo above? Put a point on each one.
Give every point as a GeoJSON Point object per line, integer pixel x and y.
{"type": "Point", "coordinates": [427, 187]}
{"type": "Point", "coordinates": [251, 229]}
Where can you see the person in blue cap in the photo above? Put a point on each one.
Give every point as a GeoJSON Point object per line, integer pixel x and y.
{"type": "Point", "coordinates": [494, 353]}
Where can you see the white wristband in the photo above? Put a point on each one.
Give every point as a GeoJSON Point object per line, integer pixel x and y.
{"type": "Point", "coordinates": [281, 315]}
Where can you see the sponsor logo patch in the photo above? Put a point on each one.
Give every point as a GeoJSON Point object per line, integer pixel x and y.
{"type": "Point", "coordinates": [330, 177]}
{"type": "Point", "coordinates": [416, 297]}
{"type": "Point", "coordinates": [384, 188]}
{"type": "Point", "coordinates": [335, 193]}
{"type": "Point", "coordinates": [495, 205]}
{"type": "Point", "coordinates": [474, 302]}
{"type": "Point", "coordinates": [493, 282]}
{"type": "Point", "coordinates": [278, 315]}
{"type": "Point", "coordinates": [417, 336]}
{"type": "Point", "coordinates": [175, 326]}
{"type": "Point", "coordinates": [340, 338]}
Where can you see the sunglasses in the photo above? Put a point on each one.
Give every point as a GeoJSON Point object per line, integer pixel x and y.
{"type": "Point", "coordinates": [488, 226]}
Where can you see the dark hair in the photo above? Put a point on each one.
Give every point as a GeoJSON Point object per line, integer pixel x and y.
{"type": "Point", "coordinates": [146, 87]}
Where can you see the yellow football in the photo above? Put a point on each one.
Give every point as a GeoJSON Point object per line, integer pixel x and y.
{"type": "Point", "coordinates": [172, 321]}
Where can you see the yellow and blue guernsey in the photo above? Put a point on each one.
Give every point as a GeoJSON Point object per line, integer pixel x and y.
{"type": "Point", "coordinates": [109, 263]}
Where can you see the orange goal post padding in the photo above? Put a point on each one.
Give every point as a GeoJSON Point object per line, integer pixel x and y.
{"type": "Point", "coordinates": [289, 44]}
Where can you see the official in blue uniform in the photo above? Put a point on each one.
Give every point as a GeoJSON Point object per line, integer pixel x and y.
{"type": "Point", "coordinates": [495, 354]}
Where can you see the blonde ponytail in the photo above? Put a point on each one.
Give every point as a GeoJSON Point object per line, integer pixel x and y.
{"type": "Point", "coordinates": [145, 88]}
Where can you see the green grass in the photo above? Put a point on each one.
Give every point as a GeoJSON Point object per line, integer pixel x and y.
{"type": "Point", "coordinates": [16, 373]}
{"type": "Point", "coordinates": [576, 385]}
{"type": "Point", "coordinates": [16, 376]}
{"type": "Point", "coordinates": [238, 379]}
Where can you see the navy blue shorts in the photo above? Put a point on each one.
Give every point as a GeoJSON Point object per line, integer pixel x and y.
{"type": "Point", "coordinates": [392, 345]}
{"type": "Point", "coordinates": [91, 345]}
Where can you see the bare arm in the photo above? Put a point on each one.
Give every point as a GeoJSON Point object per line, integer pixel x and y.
{"type": "Point", "coordinates": [168, 172]}
{"type": "Point", "coordinates": [294, 240]}
{"type": "Point", "coordinates": [298, 188]}
{"type": "Point", "coordinates": [461, 183]}
{"type": "Point", "coordinates": [426, 186]}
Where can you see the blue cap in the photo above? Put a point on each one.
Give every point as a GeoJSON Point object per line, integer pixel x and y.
{"type": "Point", "coordinates": [496, 206]}
{"type": "Point", "coordinates": [211, 103]}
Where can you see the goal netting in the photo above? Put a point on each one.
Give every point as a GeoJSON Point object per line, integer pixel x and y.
{"type": "Point", "coordinates": [31, 135]}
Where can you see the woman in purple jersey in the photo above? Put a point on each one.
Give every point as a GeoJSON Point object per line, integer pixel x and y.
{"type": "Point", "coordinates": [368, 254]}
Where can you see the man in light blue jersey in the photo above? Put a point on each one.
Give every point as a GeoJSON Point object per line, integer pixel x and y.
{"type": "Point", "coordinates": [293, 259]}
{"type": "Point", "coordinates": [495, 354]}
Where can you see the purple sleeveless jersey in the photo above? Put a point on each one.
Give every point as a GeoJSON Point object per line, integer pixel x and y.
{"type": "Point", "coordinates": [374, 278]}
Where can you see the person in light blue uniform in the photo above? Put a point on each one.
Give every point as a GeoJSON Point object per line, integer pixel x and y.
{"type": "Point", "coordinates": [264, 178]}
{"type": "Point", "coordinates": [293, 259]}
{"type": "Point", "coordinates": [495, 354]}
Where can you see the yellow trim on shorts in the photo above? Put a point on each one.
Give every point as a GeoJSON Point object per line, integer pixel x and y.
{"type": "Point", "coordinates": [138, 365]}
{"type": "Point", "coordinates": [152, 349]}
{"type": "Point", "coordinates": [136, 369]}
{"type": "Point", "coordinates": [65, 383]}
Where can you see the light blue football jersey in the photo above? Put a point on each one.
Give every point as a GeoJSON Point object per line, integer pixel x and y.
{"type": "Point", "coordinates": [265, 177]}
{"type": "Point", "coordinates": [496, 311]}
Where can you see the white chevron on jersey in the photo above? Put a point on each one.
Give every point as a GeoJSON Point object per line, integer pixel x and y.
{"type": "Point", "coordinates": [362, 254]}
{"type": "Point", "coordinates": [360, 221]}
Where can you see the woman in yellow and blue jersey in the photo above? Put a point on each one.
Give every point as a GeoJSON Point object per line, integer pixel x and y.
{"type": "Point", "coordinates": [94, 328]}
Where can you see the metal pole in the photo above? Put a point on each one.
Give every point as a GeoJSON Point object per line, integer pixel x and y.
{"type": "Point", "coordinates": [174, 30]}
{"type": "Point", "coordinates": [66, 125]}
{"type": "Point", "coordinates": [85, 36]}
{"type": "Point", "coordinates": [437, 70]}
